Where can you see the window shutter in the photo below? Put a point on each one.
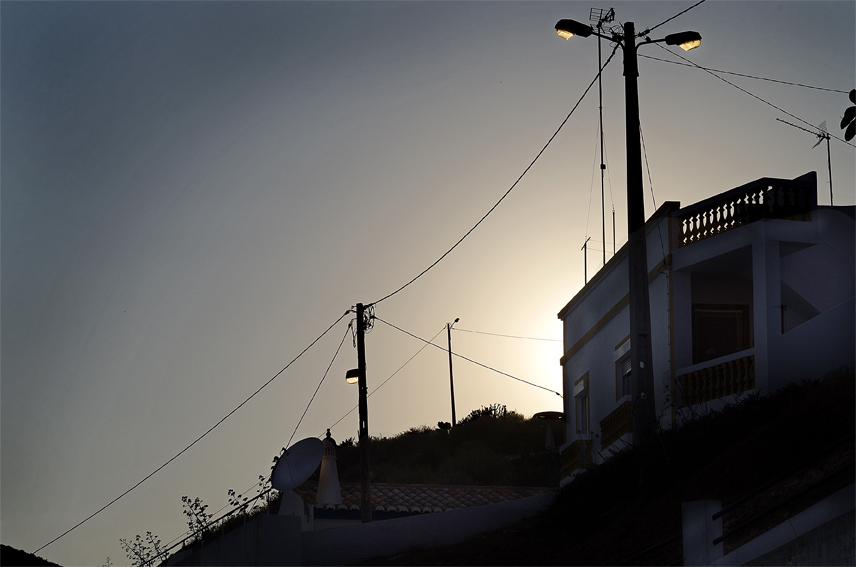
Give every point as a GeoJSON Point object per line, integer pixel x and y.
{"type": "Point", "coordinates": [626, 366]}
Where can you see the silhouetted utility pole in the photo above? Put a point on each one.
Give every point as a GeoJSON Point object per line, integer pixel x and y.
{"type": "Point", "coordinates": [644, 415]}
{"type": "Point", "coordinates": [451, 379]}
{"type": "Point", "coordinates": [365, 469]}
{"type": "Point", "coordinates": [644, 412]}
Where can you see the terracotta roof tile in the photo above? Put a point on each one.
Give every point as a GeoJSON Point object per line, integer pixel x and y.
{"type": "Point", "coordinates": [423, 497]}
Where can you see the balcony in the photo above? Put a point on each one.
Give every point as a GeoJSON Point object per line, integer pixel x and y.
{"type": "Point", "coordinates": [616, 424]}
{"type": "Point", "coordinates": [717, 381]}
{"type": "Point", "coordinates": [762, 199]}
{"type": "Point", "coordinates": [572, 456]}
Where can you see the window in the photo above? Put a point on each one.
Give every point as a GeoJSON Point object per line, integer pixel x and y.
{"type": "Point", "coordinates": [719, 330]}
{"type": "Point", "coordinates": [582, 413]}
{"type": "Point", "coordinates": [623, 367]}
{"type": "Point", "coordinates": [581, 404]}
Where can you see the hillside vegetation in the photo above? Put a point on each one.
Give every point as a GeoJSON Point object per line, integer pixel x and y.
{"type": "Point", "coordinates": [491, 446]}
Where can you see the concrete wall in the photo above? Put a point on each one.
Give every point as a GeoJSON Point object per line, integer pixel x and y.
{"type": "Point", "coordinates": [592, 309]}
{"type": "Point", "coordinates": [830, 544]}
{"type": "Point", "coordinates": [267, 539]}
{"type": "Point", "coordinates": [820, 535]}
{"type": "Point", "coordinates": [278, 540]}
{"type": "Point", "coordinates": [814, 259]}
{"type": "Point", "coordinates": [340, 546]}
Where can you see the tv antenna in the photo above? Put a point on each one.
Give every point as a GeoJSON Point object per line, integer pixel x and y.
{"type": "Point", "coordinates": [822, 134]}
{"type": "Point", "coordinates": [601, 16]}
{"type": "Point", "coordinates": [297, 463]}
{"type": "Point", "coordinates": [585, 260]}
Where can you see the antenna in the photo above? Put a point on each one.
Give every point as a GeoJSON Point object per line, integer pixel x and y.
{"type": "Point", "coordinates": [585, 260]}
{"type": "Point", "coordinates": [297, 464]}
{"type": "Point", "coordinates": [822, 134]}
{"type": "Point", "coordinates": [601, 16]}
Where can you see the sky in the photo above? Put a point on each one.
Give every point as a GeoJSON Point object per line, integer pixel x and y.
{"type": "Point", "coordinates": [192, 193]}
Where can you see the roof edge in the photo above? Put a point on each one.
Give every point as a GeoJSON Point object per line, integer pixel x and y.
{"type": "Point", "coordinates": [663, 211]}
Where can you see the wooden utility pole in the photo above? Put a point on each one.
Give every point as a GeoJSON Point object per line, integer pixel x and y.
{"type": "Point", "coordinates": [644, 414]}
{"type": "Point", "coordinates": [365, 469]}
{"type": "Point", "coordinates": [451, 379]}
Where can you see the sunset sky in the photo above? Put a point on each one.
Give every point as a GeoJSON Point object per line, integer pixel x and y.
{"type": "Point", "coordinates": [193, 192]}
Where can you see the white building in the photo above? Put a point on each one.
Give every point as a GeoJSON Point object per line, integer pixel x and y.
{"type": "Point", "coordinates": [749, 290]}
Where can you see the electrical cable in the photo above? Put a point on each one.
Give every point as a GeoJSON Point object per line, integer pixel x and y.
{"type": "Point", "coordinates": [292, 435]}
{"type": "Point", "coordinates": [525, 171]}
{"type": "Point", "coordinates": [743, 75]}
{"type": "Point", "coordinates": [471, 360]}
{"type": "Point", "coordinates": [151, 474]}
{"type": "Point", "coordinates": [750, 94]}
{"type": "Point", "coordinates": [651, 185]}
{"type": "Point", "coordinates": [341, 317]}
{"type": "Point", "coordinates": [649, 30]}
{"type": "Point", "coordinates": [388, 379]}
{"type": "Point", "coordinates": [187, 534]}
{"type": "Point", "coordinates": [319, 386]}
{"type": "Point", "coordinates": [509, 336]}
{"type": "Point", "coordinates": [591, 182]}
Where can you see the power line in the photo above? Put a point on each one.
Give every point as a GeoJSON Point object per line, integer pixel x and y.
{"type": "Point", "coordinates": [649, 30]}
{"type": "Point", "coordinates": [471, 360]}
{"type": "Point", "coordinates": [172, 544]}
{"type": "Point", "coordinates": [423, 272]}
{"type": "Point", "coordinates": [388, 379]}
{"type": "Point", "coordinates": [189, 534]}
{"type": "Point", "coordinates": [743, 75]}
{"type": "Point", "coordinates": [509, 336]}
{"type": "Point", "coordinates": [651, 185]}
{"type": "Point", "coordinates": [151, 474]}
{"type": "Point", "coordinates": [525, 171]}
{"type": "Point", "coordinates": [751, 94]}
{"type": "Point", "coordinates": [319, 385]}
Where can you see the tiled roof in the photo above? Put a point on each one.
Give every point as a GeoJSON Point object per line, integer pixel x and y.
{"type": "Point", "coordinates": [394, 497]}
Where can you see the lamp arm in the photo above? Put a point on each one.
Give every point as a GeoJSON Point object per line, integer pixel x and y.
{"type": "Point", "coordinates": [649, 40]}
{"type": "Point", "coordinates": [613, 38]}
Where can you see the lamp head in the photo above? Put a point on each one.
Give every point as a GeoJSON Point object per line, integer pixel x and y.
{"type": "Point", "coordinates": [686, 40]}
{"type": "Point", "coordinates": [569, 28]}
{"type": "Point", "coordinates": [352, 376]}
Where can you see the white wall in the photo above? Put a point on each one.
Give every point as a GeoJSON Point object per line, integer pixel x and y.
{"type": "Point", "coordinates": [816, 258]}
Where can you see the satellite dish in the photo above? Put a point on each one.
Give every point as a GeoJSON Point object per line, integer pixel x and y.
{"type": "Point", "coordinates": [297, 464]}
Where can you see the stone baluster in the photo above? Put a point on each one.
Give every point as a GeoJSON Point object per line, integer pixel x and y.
{"type": "Point", "coordinates": [733, 379]}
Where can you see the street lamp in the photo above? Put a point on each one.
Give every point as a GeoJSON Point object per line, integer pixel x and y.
{"type": "Point", "coordinates": [451, 381]}
{"type": "Point", "coordinates": [352, 376]}
{"type": "Point", "coordinates": [685, 40]}
{"type": "Point", "coordinates": [644, 412]}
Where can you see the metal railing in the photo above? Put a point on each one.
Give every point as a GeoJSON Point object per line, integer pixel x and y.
{"type": "Point", "coordinates": [826, 478]}
{"type": "Point", "coordinates": [164, 555]}
{"type": "Point", "coordinates": [679, 536]}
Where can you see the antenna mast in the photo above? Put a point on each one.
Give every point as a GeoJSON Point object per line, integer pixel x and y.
{"type": "Point", "coordinates": [601, 16]}
{"type": "Point", "coordinates": [822, 134]}
{"type": "Point", "coordinates": [585, 260]}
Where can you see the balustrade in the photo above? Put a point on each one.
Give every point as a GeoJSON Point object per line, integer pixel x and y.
{"type": "Point", "coordinates": [616, 424]}
{"type": "Point", "coordinates": [572, 456]}
{"type": "Point", "coordinates": [744, 205]}
{"type": "Point", "coordinates": [717, 381]}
